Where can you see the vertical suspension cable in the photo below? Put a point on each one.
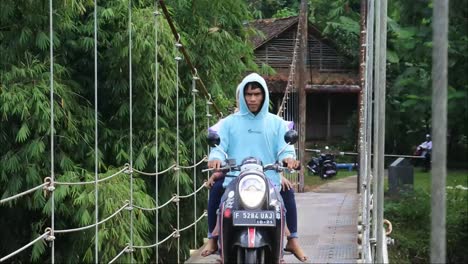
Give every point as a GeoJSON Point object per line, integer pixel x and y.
{"type": "Point", "coordinates": [208, 116]}
{"type": "Point", "coordinates": [362, 186]}
{"type": "Point", "coordinates": [156, 124]}
{"type": "Point", "coordinates": [52, 129]}
{"type": "Point", "coordinates": [376, 118]}
{"type": "Point", "coordinates": [177, 58]}
{"type": "Point", "coordinates": [131, 123]}
{"type": "Point", "coordinates": [194, 92]}
{"type": "Point", "coordinates": [369, 87]}
{"type": "Point", "coordinates": [96, 195]}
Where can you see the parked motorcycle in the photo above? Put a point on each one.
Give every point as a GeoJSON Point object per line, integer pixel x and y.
{"type": "Point", "coordinates": [324, 165]}
{"type": "Point", "coordinates": [251, 214]}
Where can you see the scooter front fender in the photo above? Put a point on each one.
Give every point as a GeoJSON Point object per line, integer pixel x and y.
{"type": "Point", "coordinates": [253, 237]}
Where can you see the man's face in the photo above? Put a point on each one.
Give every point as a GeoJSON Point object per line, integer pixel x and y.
{"type": "Point", "coordinates": [253, 98]}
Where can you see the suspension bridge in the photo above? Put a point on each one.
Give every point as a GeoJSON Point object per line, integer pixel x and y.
{"type": "Point", "coordinates": [352, 219]}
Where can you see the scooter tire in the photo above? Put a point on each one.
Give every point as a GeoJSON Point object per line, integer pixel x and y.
{"type": "Point", "coordinates": [254, 255]}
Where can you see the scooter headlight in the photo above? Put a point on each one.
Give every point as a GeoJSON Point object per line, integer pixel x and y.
{"type": "Point", "coordinates": [252, 191]}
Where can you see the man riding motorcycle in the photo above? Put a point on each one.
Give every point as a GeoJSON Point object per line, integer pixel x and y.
{"type": "Point", "coordinates": [253, 131]}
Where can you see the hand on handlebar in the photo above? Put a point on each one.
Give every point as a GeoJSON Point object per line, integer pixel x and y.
{"type": "Point", "coordinates": [291, 163]}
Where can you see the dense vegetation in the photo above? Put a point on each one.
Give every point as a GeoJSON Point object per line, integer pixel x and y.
{"type": "Point", "coordinates": [213, 32]}
{"type": "Point", "coordinates": [410, 215]}
{"type": "Point", "coordinates": [216, 40]}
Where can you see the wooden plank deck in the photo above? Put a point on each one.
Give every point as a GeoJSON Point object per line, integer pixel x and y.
{"type": "Point", "coordinates": [327, 227]}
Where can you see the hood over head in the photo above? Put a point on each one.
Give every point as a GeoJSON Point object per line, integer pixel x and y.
{"type": "Point", "coordinates": [244, 109]}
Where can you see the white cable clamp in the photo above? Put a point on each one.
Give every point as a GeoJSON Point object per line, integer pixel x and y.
{"type": "Point", "coordinates": [128, 170]}
{"type": "Point", "coordinates": [129, 249]}
{"type": "Point", "coordinates": [128, 207]}
{"type": "Point", "coordinates": [49, 237]}
{"type": "Point", "coordinates": [49, 187]}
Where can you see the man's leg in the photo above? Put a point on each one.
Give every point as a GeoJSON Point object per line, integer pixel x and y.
{"type": "Point", "coordinates": [216, 192]}
{"type": "Point", "coordinates": [427, 161]}
{"type": "Point", "coordinates": [291, 221]}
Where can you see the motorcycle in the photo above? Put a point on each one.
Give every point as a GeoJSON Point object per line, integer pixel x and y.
{"type": "Point", "coordinates": [324, 165]}
{"type": "Point", "coordinates": [251, 213]}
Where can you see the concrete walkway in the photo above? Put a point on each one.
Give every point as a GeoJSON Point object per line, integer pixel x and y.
{"type": "Point", "coordinates": [327, 219]}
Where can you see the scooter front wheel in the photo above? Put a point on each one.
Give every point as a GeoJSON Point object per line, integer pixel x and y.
{"type": "Point", "coordinates": [251, 255]}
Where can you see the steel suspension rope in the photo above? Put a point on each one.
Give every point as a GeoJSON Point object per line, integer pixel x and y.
{"type": "Point", "coordinates": [52, 130]}
{"type": "Point", "coordinates": [187, 58]}
{"type": "Point", "coordinates": [176, 167]}
{"type": "Point", "coordinates": [13, 197]}
{"type": "Point", "coordinates": [130, 80]}
{"type": "Point", "coordinates": [194, 149]}
{"type": "Point", "coordinates": [156, 124]}
{"type": "Point", "coordinates": [177, 58]}
{"type": "Point", "coordinates": [368, 125]}
{"type": "Point", "coordinates": [96, 177]}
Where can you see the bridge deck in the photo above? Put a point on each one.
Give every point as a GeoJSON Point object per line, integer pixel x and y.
{"type": "Point", "coordinates": [327, 224]}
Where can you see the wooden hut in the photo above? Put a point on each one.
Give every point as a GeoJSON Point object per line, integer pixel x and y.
{"type": "Point", "coordinates": [332, 81]}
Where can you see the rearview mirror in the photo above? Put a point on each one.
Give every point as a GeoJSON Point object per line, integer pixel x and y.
{"type": "Point", "coordinates": [291, 137]}
{"type": "Point", "coordinates": [213, 139]}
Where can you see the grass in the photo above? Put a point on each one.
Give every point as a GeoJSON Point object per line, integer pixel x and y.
{"type": "Point", "coordinates": [410, 216]}
{"type": "Point", "coordinates": [312, 180]}
{"type": "Point", "coordinates": [454, 178]}
{"type": "Point", "coordinates": [422, 179]}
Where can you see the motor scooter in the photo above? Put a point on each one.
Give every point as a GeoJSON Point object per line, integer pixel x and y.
{"type": "Point", "coordinates": [251, 215]}
{"type": "Point", "coordinates": [324, 165]}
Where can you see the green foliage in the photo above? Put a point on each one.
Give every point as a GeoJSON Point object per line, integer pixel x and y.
{"type": "Point", "coordinates": [216, 41]}
{"type": "Point", "coordinates": [410, 217]}
{"type": "Point", "coordinates": [409, 78]}
{"type": "Point", "coordinates": [339, 21]}
{"type": "Point", "coordinates": [285, 12]}
{"type": "Point", "coordinates": [261, 9]}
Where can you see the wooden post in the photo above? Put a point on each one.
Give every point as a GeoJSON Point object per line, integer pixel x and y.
{"type": "Point", "coordinates": [301, 84]}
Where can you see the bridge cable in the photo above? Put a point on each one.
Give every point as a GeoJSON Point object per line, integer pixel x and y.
{"type": "Point", "coordinates": [156, 123]}
{"type": "Point", "coordinates": [52, 129]}
{"type": "Point", "coordinates": [46, 234]}
{"type": "Point", "coordinates": [96, 150]}
{"type": "Point", "coordinates": [368, 125]}
{"type": "Point", "coordinates": [177, 58]}
{"type": "Point", "coordinates": [288, 109]}
{"type": "Point", "coordinates": [125, 169]}
{"type": "Point", "coordinates": [13, 197]}
{"type": "Point", "coordinates": [194, 149]}
{"type": "Point", "coordinates": [130, 79]}
{"type": "Point", "coordinates": [193, 70]}
{"type": "Point", "coordinates": [95, 224]}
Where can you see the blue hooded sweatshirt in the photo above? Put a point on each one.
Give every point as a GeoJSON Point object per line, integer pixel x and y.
{"type": "Point", "coordinates": [244, 134]}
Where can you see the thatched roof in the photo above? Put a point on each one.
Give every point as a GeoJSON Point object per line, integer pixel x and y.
{"type": "Point", "coordinates": [270, 28]}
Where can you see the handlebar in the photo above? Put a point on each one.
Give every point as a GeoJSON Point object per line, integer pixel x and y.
{"type": "Point", "coordinates": [275, 167]}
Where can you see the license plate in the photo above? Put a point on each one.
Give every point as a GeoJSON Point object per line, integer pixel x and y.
{"type": "Point", "coordinates": [254, 218]}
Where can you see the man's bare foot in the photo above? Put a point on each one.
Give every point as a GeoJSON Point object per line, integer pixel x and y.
{"type": "Point", "coordinates": [210, 248]}
{"type": "Point", "coordinates": [294, 247]}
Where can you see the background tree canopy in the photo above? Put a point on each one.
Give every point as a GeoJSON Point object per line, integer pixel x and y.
{"type": "Point", "coordinates": [214, 34]}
